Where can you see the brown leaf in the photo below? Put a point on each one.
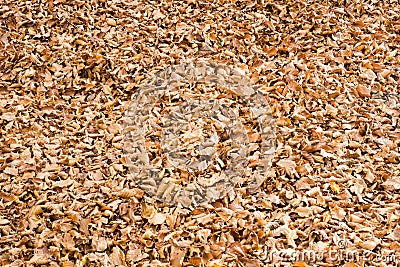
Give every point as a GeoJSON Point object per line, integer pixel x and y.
{"type": "Point", "coordinates": [363, 91]}
{"type": "Point", "coordinates": [177, 256]}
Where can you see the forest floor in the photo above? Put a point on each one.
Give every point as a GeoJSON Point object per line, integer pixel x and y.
{"type": "Point", "coordinates": [329, 70]}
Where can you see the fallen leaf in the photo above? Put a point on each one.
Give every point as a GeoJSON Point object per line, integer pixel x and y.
{"type": "Point", "coordinates": [111, 22]}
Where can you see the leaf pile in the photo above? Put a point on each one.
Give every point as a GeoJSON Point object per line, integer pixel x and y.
{"type": "Point", "coordinates": [69, 68]}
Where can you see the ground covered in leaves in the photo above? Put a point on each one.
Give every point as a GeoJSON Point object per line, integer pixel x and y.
{"type": "Point", "coordinates": [330, 72]}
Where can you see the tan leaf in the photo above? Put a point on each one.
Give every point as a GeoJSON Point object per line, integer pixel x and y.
{"type": "Point", "coordinates": [338, 213]}
{"type": "Point", "coordinates": [368, 74]}
{"type": "Point", "coordinates": [158, 218]}
{"type": "Point", "coordinates": [99, 243]}
{"type": "Point", "coordinates": [148, 211]}
{"type": "Point", "coordinates": [4, 221]}
{"type": "Point", "coordinates": [369, 244]}
{"type": "Point", "coordinates": [111, 22]}
{"type": "Point", "coordinates": [289, 166]}
{"type": "Point", "coordinates": [392, 184]}
{"type": "Point", "coordinates": [63, 183]}
{"type": "Point", "coordinates": [39, 259]}
{"type": "Point", "coordinates": [68, 242]}
{"type": "Point", "coordinates": [117, 257]}
{"type": "Point", "coordinates": [177, 256]}
{"type": "Point", "coordinates": [304, 211]}
{"type": "Point", "coordinates": [11, 171]}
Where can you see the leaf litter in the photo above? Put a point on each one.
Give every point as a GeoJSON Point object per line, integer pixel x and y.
{"type": "Point", "coordinates": [69, 69]}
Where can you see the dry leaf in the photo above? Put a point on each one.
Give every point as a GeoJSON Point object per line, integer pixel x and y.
{"type": "Point", "coordinates": [299, 264]}
{"type": "Point", "coordinates": [177, 256]}
{"type": "Point", "coordinates": [158, 218]}
{"type": "Point", "coordinates": [304, 211]}
{"type": "Point", "coordinates": [289, 166]}
{"type": "Point", "coordinates": [369, 244]}
{"type": "Point", "coordinates": [11, 171]}
{"type": "Point", "coordinates": [363, 91]}
{"type": "Point", "coordinates": [111, 22]}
